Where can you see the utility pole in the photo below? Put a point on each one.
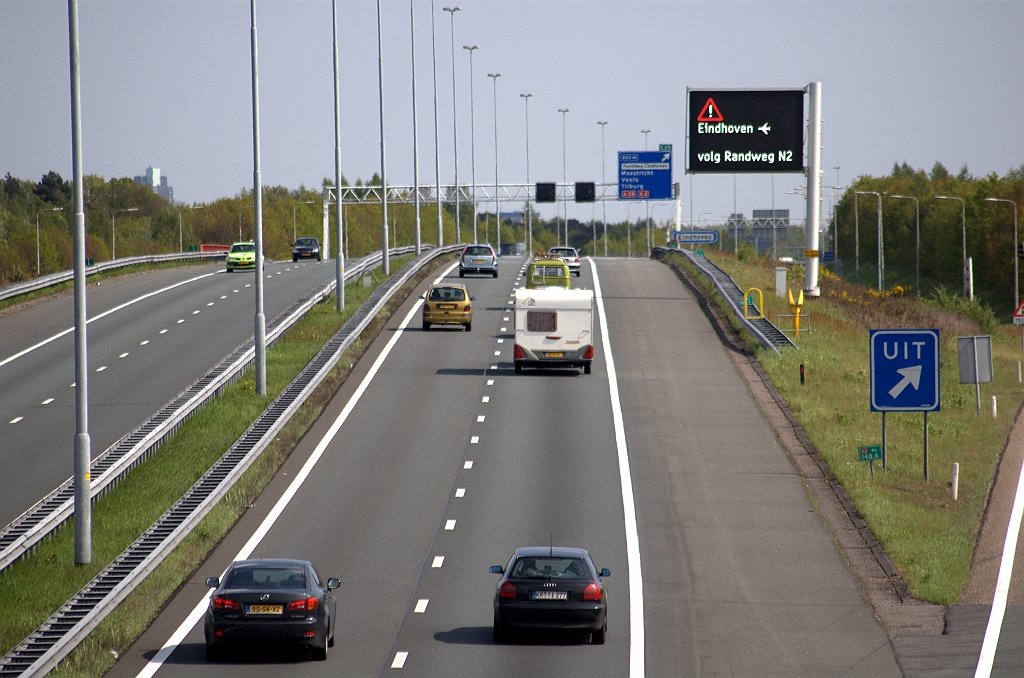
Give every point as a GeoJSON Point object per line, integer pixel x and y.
{"type": "Point", "coordinates": [604, 208]}
{"type": "Point", "coordinates": [384, 250]}
{"type": "Point", "coordinates": [472, 131]}
{"type": "Point", "coordinates": [257, 195]}
{"type": "Point", "coordinates": [529, 210]}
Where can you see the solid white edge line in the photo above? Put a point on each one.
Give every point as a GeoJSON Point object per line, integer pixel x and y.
{"type": "Point", "coordinates": [200, 609]}
{"type": "Point", "coordinates": [44, 342]}
{"type": "Point", "coordinates": [636, 580]}
{"type": "Point", "coordinates": [995, 619]}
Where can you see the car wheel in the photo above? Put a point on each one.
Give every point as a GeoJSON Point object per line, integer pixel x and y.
{"type": "Point", "coordinates": [597, 637]}
{"type": "Point", "coordinates": [426, 326]}
{"type": "Point", "coordinates": [330, 643]}
{"type": "Point", "coordinates": [501, 634]}
{"type": "Point", "coordinates": [320, 653]}
{"type": "Point", "coordinates": [213, 653]}
{"type": "Point", "coordinates": [469, 326]}
{"type": "Point", "coordinates": [519, 368]}
{"type": "Point", "coordinates": [294, 259]}
{"type": "Point", "coordinates": [586, 368]}
{"type": "Point", "coordinates": [320, 258]}
{"type": "Point", "coordinates": [495, 274]}
{"type": "Point", "coordinates": [228, 270]}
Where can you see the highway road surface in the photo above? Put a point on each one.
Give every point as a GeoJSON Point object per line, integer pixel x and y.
{"type": "Point", "coordinates": [446, 460]}
{"type": "Point", "coordinates": [158, 333]}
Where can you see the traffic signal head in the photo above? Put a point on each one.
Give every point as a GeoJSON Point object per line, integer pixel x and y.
{"type": "Point", "coordinates": [545, 192]}
{"type": "Point", "coordinates": [585, 191]}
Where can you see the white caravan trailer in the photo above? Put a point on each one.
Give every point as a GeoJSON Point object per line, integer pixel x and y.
{"type": "Point", "coordinates": [554, 327]}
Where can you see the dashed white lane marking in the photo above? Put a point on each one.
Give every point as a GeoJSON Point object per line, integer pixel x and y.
{"type": "Point", "coordinates": [249, 285]}
{"type": "Point", "coordinates": [438, 561]}
{"type": "Point", "coordinates": [468, 465]}
{"type": "Point", "coordinates": [180, 321]}
{"type": "Point", "coordinates": [501, 341]}
{"type": "Point", "coordinates": [210, 304]}
{"type": "Point", "coordinates": [504, 329]}
{"type": "Point", "coordinates": [480, 419]}
{"type": "Point", "coordinates": [47, 401]}
{"type": "Point", "coordinates": [449, 525]}
{"type": "Point", "coordinates": [268, 277]}
{"type": "Point", "coordinates": [73, 385]}
{"type": "Point", "coordinates": [278, 273]}
{"type": "Point", "coordinates": [490, 382]}
{"type": "Point", "coordinates": [460, 492]}
{"type": "Point", "coordinates": [485, 399]}
{"type": "Point", "coordinates": [16, 420]}
{"type": "Point", "coordinates": [421, 605]}
{"type": "Point", "coordinates": [223, 296]}
{"type": "Point", "coordinates": [195, 312]}
{"type": "Point", "coordinates": [163, 331]}
{"type": "Point", "coordinates": [504, 320]}
{"type": "Point", "coordinates": [100, 369]}
{"type": "Point", "coordinates": [497, 353]}
{"type": "Point", "coordinates": [236, 291]}
{"type": "Point", "coordinates": [494, 367]}
{"type": "Point", "coordinates": [473, 441]}
{"type": "Point", "coordinates": [143, 343]}
{"type": "Point", "coordinates": [123, 355]}
{"type": "Point", "coordinates": [400, 658]}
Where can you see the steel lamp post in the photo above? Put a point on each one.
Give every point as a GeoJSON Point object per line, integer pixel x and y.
{"type": "Point", "coordinates": [472, 132]}
{"type": "Point", "coordinates": [529, 210]}
{"type": "Point", "coordinates": [917, 231]}
{"type": "Point", "coordinates": [881, 252]}
{"type": "Point", "coordinates": [604, 207]}
{"type": "Point", "coordinates": [113, 230]}
{"type": "Point", "coordinates": [969, 293]}
{"type": "Point", "coordinates": [497, 204]}
{"type": "Point", "coordinates": [565, 206]}
{"type": "Point", "coordinates": [455, 127]}
{"type": "Point", "coordinates": [52, 209]}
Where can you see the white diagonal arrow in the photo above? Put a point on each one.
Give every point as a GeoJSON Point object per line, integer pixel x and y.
{"type": "Point", "coordinates": [911, 376]}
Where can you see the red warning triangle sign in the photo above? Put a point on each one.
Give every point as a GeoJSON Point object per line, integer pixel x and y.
{"type": "Point", "coordinates": [710, 112]}
{"type": "Point", "coordinates": [1019, 313]}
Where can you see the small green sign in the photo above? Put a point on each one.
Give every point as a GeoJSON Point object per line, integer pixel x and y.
{"type": "Point", "coordinates": [700, 253]}
{"type": "Point", "coordinates": [870, 453]}
{"type": "Point", "coordinates": [90, 262]}
{"type": "Point", "coordinates": [665, 147]}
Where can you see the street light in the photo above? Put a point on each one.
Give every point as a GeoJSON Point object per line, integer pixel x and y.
{"type": "Point", "coordinates": [384, 250]}
{"type": "Point", "coordinates": [52, 209]}
{"type": "Point", "coordinates": [113, 230]}
{"type": "Point", "coordinates": [415, 133]}
{"type": "Point", "coordinates": [654, 216]}
{"type": "Point", "coordinates": [698, 226]}
{"type": "Point", "coordinates": [1016, 279]}
{"type": "Point", "coordinates": [472, 131]}
{"type": "Point", "coordinates": [881, 253]}
{"type": "Point", "coordinates": [645, 132]}
{"type": "Point", "coordinates": [917, 230]}
{"type": "Point", "coordinates": [497, 204]}
{"type": "Point", "coordinates": [529, 211]}
{"type": "Point", "coordinates": [455, 127]}
{"type": "Point", "coordinates": [604, 207]}
{"type": "Point", "coordinates": [437, 146]}
{"type": "Point", "coordinates": [181, 247]}
{"type": "Point", "coordinates": [968, 289]}
{"type": "Point", "coordinates": [293, 217]}
{"type": "Point", "coordinates": [565, 206]}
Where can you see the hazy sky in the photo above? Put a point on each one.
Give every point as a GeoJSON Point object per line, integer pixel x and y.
{"type": "Point", "coordinates": [167, 83]}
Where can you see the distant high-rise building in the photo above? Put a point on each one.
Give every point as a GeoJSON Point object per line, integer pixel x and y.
{"type": "Point", "coordinates": [156, 182]}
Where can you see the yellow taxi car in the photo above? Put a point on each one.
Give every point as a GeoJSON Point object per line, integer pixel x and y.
{"type": "Point", "coordinates": [549, 272]}
{"type": "Point", "coordinates": [448, 304]}
{"type": "Point", "coordinates": [241, 255]}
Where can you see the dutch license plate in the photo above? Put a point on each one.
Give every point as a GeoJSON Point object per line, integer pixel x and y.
{"type": "Point", "coordinates": [478, 261]}
{"type": "Point", "coordinates": [264, 609]}
{"type": "Point", "coordinates": [549, 595]}
{"type": "Point", "coordinates": [554, 354]}
{"type": "Point", "coordinates": [446, 307]}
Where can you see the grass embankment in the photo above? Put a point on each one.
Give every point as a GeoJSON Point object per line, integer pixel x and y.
{"type": "Point", "coordinates": [929, 536]}
{"type": "Point", "coordinates": [32, 589]}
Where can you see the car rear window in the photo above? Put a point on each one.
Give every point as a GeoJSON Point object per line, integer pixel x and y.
{"type": "Point", "coordinates": [478, 251]}
{"type": "Point", "coordinates": [243, 248]}
{"type": "Point", "coordinates": [306, 242]}
{"type": "Point", "coordinates": [447, 294]}
{"type": "Point", "coordinates": [263, 577]}
{"type": "Point", "coordinates": [563, 252]}
{"type": "Point", "coordinates": [548, 272]}
{"type": "Point", "coordinates": [541, 321]}
{"type": "Point", "coordinates": [547, 567]}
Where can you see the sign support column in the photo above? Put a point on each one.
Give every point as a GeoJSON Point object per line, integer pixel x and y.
{"type": "Point", "coordinates": [811, 287]}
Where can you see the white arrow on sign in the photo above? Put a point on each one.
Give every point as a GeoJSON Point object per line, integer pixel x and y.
{"type": "Point", "coordinates": [765, 128]}
{"type": "Point", "coordinates": [911, 376]}
{"type": "Point", "coordinates": [665, 157]}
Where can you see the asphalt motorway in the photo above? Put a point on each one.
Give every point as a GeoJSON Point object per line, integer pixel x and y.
{"type": "Point", "coordinates": [740, 576]}
{"type": "Point", "coordinates": [140, 357]}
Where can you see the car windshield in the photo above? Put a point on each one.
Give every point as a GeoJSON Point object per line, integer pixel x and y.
{"type": "Point", "coordinates": [447, 294]}
{"type": "Point", "coordinates": [243, 248]}
{"type": "Point", "coordinates": [548, 567]}
{"type": "Point", "coordinates": [478, 251]}
{"type": "Point", "coordinates": [305, 242]}
{"type": "Point", "coordinates": [264, 577]}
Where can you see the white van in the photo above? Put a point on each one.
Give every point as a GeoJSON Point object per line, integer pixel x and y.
{"type": "Point", "coordinates": [554, 327]}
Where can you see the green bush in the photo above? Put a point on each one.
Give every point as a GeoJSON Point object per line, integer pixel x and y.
{"type": "Point", "coordinates": [980, 313]}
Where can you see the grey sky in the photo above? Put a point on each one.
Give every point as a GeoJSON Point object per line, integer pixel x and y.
{"type": "Point", "coordinates": [167, 84]}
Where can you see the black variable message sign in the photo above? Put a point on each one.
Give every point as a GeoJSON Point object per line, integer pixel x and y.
{"type": "Point", "coordinates": [746, 131]}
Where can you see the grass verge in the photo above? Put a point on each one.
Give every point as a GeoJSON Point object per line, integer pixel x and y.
{"type": "Point", "coordinates": [33, 588]}
{"type": "Point", "coordinates": [928, 536]}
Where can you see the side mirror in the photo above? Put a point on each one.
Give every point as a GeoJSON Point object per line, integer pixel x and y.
{"type": "Point", "coordinates": [333, 583]}
{"type": "Point", "coordinates": [212, 582]}
{"type": "Point", "coordinates": [605, 572]}
{"type": "Point", "coordinates": [496, 569]}
{"type": "Point", "coordinates": [472, 298]}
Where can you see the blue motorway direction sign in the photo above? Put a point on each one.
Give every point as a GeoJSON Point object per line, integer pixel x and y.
{"type": "Point", "coordinates": [695, 236]}
{"type": "Point", "coordinates": [645, 175]}
{"type": "Point", "coordinates": [904, 370]}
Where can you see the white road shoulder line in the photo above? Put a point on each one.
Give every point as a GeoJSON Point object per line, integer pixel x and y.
{"type": "Point", "coordinates": [200, 609]}
{"type": "Point", "coordinates": [636, 581]}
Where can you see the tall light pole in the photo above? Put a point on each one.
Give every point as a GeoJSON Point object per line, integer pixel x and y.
{"type": "Point", "coordinates": [437, 146]}
{"type": "Point", "coordinates": [529, 210]}
{"type": "Point", "coordinates": [881, 251]}
{"type": "Point", "coordinates": [181, 246]}
{"type": "Point", "coordinates": [455, 128]}
{"type": "Point", "coordinates": [497, 203]}
{"type": "Point", "coordinates": [604, 208]}
{"type": "Point", "coordinates": [647, 203]}
{"type": "Point", "coordinates": [113, 230]}
{"type": "Point", "coordinates": [1016, 256]}
{"type": "Point", "coordinates": [294, 227]}
{"type": "Point", "coordinates": [917, 230]}
{"type": "Point", "coordinates": [339, 262]}
{"type": "Point", "coordinates": [968, 289]}
{"type": "Point", "coordinates": [565, 206]}
{"type": "Point", "coordinates": [384, 250]}
{"type": "Point", "coordinates": [58, 209]}
{"type": "Point", "coordinates": [257, 195]}
{"type": "Point", "coordinates": [645, 132]}
{"type": "Point", "coordinates": [472, 131]}
{"type": "Point", "coordinates": [415, 133]}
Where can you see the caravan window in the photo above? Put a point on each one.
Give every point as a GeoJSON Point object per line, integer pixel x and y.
{"type": "Point", "coordinates": [541, 321]}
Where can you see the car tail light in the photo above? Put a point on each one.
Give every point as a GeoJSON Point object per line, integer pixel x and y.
{"type": "Point", "coordinates": [507, 590]}
{"type": "Point", "coordinates": [517, 352]}
{"type": "Point", "coordinates": [225, 604]}
{"type": "Point", "coordinates": [426, 308]}
{"type": "Point", "coordinates": [311, 634]}
{"type": "Point", "coordinates": [468, 308]}
{"type": "Point", "coordinates": [589, 353]}
{"type": "Point", "coordinates": [307, 604]}
{"type": "Point", "coordinates": [592, 592]}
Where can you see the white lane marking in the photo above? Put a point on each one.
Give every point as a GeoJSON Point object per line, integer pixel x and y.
{"type": "Point", "coordinates": [485, 399]}
{"type": "Point", "coordinates": [438, 561]}
{"type": "Point", "coordinates": [180, 321]}
{"type": "Point", "coordinates": [143, 343]}
{"type": "Point", "coordinates": [494, 367]}
{"type": "Point", "coordinates": [490, 382]}
{"type": "Point", "coordinates": [473, 441]}
{"type": "Point", "coordinates": [16, 420]}
{"type": "Point", "coordinates": [223, 296]}
{"type": "Point", "coordinates": [460, 492]}
{"type": "Point", "coordinates": [163, 331]}
{"type": "Point", "coordinates": [268, 277]}
{"type": "Point", "coordinates": [195, 312]}
{"type": "Point", "coordinates": [278, 273]}
{"type": "Point", "coordinates": [497, 353]}
{"type": "Point", "coordinates": [199, 610]}
{"type": "Point", "coordinates": [47, 401]}
{"type": "Point", "coordinates": [995, 619]}
{"type": "Point", "coordinates": [210, 304]}
{"type": "Point", "coordinates": [636, 581]}
{"type": "Point", "coordinates": [505, 319]}
{"type": "Point", "coordinates": [468, 464]}
{"type": "Point", "coordinates": [450, 525]}
{"type": "Point", "coordinates": [236, 291]}
{"type": "Point", "coordinates": [480, 418]}
{"type": "Point", "coordinates": [421, 605]}
{"type": "Point", "coordinates": [101, 315]}
{"type": "Point", "coordinates": [249, 285]}
{"type": "Point", "coordinates": [504, 329]}
{"type": "Point", "coordinates": [100, 369]}
{"type": "Point", "coordinates": [73, 385]}
{"type": "Point", "coordinates": [123, 355]}
{"type": "Point", "coordinates": [400, 658]}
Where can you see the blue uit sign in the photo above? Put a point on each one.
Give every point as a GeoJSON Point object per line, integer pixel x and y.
{"type": "Point", "coordinates": [645, 175]}
{"type": "Point", "coordinates": [904, 370]}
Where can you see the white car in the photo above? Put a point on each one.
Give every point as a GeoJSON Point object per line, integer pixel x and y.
{"type": "Point", "coordinates": [570, 256]}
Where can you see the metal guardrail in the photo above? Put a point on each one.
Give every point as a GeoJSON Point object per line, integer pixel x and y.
{"type": "Point", "coordinates": [20, 536]}
{"type": "Point", "coordinates": [768, 334]}
{"type": "Point", "coordinates": [69, 626]}
{"type": "Point", "coordinates": [67, 276]}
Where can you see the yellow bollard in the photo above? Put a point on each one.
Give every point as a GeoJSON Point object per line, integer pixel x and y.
{"type": "Point", "coordinates": [795, 307]}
